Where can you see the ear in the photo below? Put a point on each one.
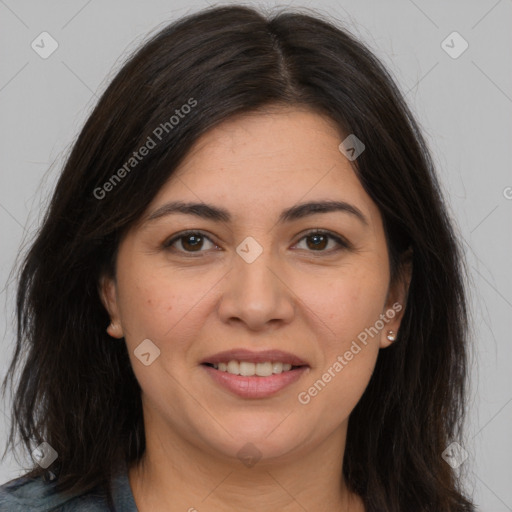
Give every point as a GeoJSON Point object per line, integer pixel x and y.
{"type": "Point", "coordinates": [396, 300]}
{"type": "Point", "coordinates": [107, 290]}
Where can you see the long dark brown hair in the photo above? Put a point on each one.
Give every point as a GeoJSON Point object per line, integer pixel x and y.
{"type": "Point", "coordinates": [76, 388]}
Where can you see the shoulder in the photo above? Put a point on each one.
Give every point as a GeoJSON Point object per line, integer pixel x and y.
{"type": "Point", "coordinates": [38, 495]}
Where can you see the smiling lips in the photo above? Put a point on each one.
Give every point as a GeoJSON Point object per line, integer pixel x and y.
{"type": "Point", "coordinates": [254, 374]}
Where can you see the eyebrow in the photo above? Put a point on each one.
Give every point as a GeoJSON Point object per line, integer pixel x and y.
{"type": "Point", "coordinates": [217, 214]}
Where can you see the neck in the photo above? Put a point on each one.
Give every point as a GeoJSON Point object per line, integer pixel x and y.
{"type": "Point", "coordinates": [175, 475]}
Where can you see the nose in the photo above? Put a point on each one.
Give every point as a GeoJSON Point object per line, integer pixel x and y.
{"type": "Point", "coordinates": [257, 294]}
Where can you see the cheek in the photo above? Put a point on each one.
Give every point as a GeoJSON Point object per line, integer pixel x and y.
{"type": "Point", "coordinates": [347, 310]}
{"type": "Point", "coordinates": [160, 305]}
{"type": "Point", "coordinates": [350, 303]}
{"type": "Point", "coordinates": [157, 306]}
{"type": "Point", "coordinates": [147, 306]}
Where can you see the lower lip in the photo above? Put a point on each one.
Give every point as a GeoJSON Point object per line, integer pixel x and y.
{"type": "Point", "coordinates": [255, 387]}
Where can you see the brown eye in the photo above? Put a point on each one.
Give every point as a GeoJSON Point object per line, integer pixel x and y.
{"type": "Point", "coordinates": [192, 241]}
{"type": "Point", "coordinates": [318, 241]}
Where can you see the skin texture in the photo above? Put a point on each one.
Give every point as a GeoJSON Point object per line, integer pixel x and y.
{"type": "Point", "coordinates": [312, 302]}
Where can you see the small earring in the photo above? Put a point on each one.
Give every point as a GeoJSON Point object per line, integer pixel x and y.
{"type": "Point", "coordinates": [391, 336]}
{"type": "Point", "coordinates": [111, 330]}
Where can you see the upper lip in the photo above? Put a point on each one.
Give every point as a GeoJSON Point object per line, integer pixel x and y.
{"type": "Point", "coordinates": [241, 354]}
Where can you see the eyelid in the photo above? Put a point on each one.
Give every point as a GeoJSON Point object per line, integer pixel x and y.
{"type": "Point", "coordinates": [341, 241]}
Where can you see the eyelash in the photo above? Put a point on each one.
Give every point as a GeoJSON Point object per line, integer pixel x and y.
{"type": "Point", "coordinates": [343, 244]}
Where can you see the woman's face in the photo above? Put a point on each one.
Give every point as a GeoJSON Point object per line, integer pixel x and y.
{"type": "Point", "coordinates": [253, 279]}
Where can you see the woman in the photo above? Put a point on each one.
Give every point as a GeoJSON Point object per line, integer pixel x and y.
{"type": "Point", "coordinates": [247, 293]}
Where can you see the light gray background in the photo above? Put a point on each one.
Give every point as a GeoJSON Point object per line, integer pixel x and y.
{"type": "Point", "coordinates": [464, 106]}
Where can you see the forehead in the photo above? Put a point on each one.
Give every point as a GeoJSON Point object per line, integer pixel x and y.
{"type": "Point", "coordinates": [275, 144]}
{"type": "Point", "coordinates": [254, 163]}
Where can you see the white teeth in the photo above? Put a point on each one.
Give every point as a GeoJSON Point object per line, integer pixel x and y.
{"type": "Point", "coordinates": [264, 369]}
{"type": "Point", "coordinates": [247, 369]}
{"type": "Point", "coordinates": [277, 367]}
{"type": "Point", "coordinates": [234, 367]}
